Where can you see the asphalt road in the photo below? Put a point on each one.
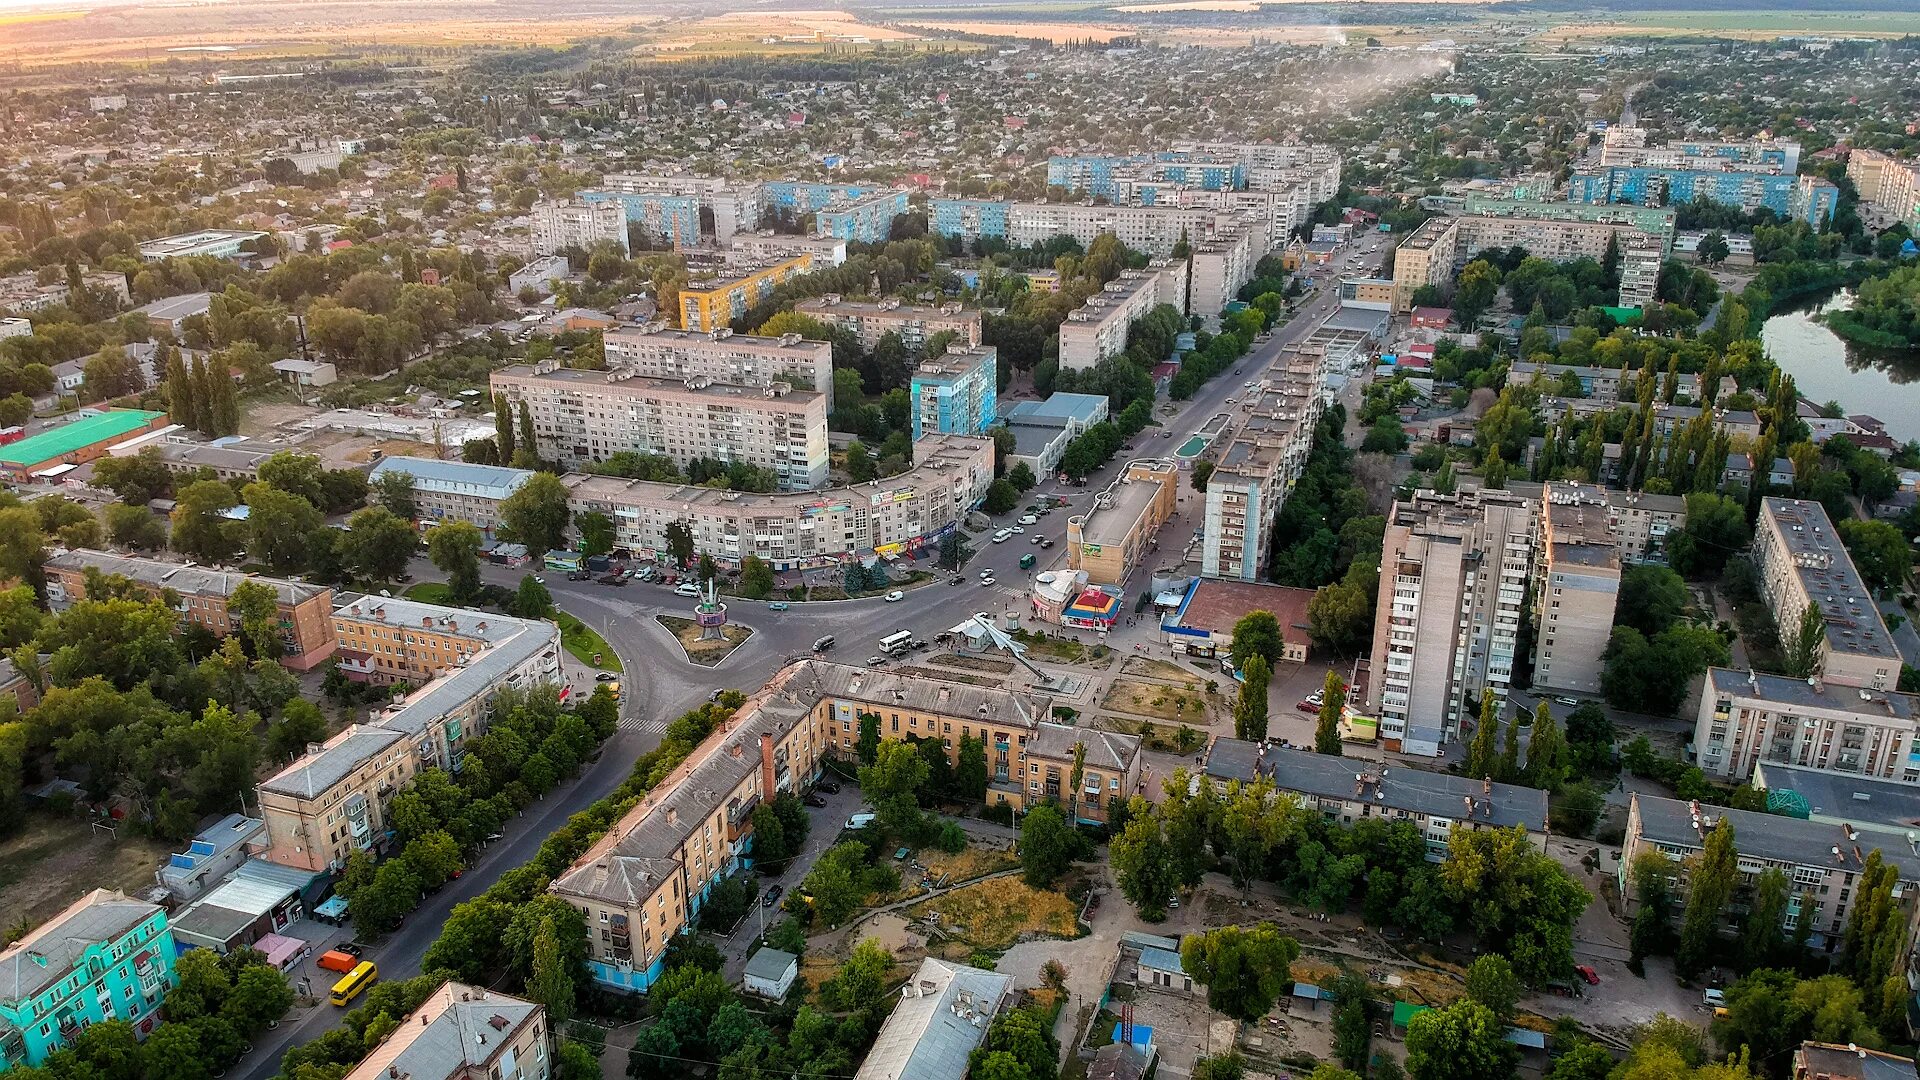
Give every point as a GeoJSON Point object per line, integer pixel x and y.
{"type": "Point", "coordinates": [660, 684]}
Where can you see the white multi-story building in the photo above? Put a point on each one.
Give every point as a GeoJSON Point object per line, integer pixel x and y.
{"type": "Point", "coordinates": [1098, 328]}
{"type": "Point", "coordinates": [1579, 586]}
{"type": "Point", "coordinates": [900, 514]}
{"type": "Point", "coordinates": [1453, 593]}
{"type": "Point", "coordinates": [539, 275]}
{"type": "Point", "coordinates": [760, 248]}
{"type": "Point", "coordinates": [723, 356]}
{"type": "Point", "coordinates": [557, 226]}
{"type": "Point", "coordinates": [1258, 464]}
{"type": "Point", "coordinates": [1748, 719]}
{"type": "Point", "coordinates": [1221, 265]}
{"type": "Point", "coordinates": [1888, 184]}
{"type": "Point", "coordinates": [583, 417]}
{"type": "Point", "coordinates": [1803, 565]}
{"type": "Point", "coordinates": [446, 491]}
{"type": "Point", "coordinates": [1152, 229]}
{"type": "Point", "coordinates": [957, 392]}
{"type": "Point", "coordinates": [1558, 232]}
{"type": "Point", "coordinates": [870, 320]}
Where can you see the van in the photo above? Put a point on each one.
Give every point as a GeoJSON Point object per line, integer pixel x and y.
{"type": "Point", "coordinates": [859, 821]}
{"type": "Point", "coordinates": [686, 588]}
{"type": "Point", "coordinates": [1713, 997]}
{"type": "Point", "coordinates": [1001, 536]}
{"type": "Point", "coordinates": [335, 960]}
{"type": "Point", "coordinates": [1029, 519]}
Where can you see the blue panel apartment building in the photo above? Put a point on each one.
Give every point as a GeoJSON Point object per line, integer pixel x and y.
{"type": "Point", "coordinates": [1094, 174]}
{"type": "Point", "coordinates": [107, 957]}
{"type": "Point", "coordinates": [866, 220]}
{"type": "Point", "coordinates": [1795, 198]}
{"type": "Point", "coordinates": [808, 196]}
{"type": "Point", "coordinates": [969, 219]}
{"type": "Point", "coordinates": [957, 394]}
{"type": "Point", "coordinates": [671, 217]}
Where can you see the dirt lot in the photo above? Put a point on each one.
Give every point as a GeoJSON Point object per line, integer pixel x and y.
{"type": "Point", "coordinates": [1160, 702]}
{"type": "Point", "coordinates": [50, 862]}
{"type": "Point", "coordinates": [993, 914]}
{"type": "Point", "coordinates": [707, 653]}
{"type": "Point", "coordinates": [1161, 669]}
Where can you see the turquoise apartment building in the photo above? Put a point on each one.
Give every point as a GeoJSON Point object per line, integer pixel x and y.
{"type": "Point", "coordinates": [107, 957]}
{"type": "Point", "coordinates": [957, 393]}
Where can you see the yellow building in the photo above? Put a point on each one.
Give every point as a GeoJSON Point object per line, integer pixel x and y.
{"type": "Point", "coordinates": [1110, 540]}
{"type": "Point", "coordinates": [643, 882]}
{"type": "Point", "coordinates": [715, 303]}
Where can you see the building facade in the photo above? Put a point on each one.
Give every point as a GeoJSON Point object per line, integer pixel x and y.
{"type": "Point", "coordinates": [74, 443]}
{"type": "Point", "coordinates": [722, 356]}
{"type": "Point", "coordinates": [1453, 592]}
{"type": "Point", "coordinates": [1098, 329]}
{"type": "Point", "coordinates": [865, 219]}
{"type": "Point", "coordinates": [1116, 533]}
{"type": "Point", "coordinates": [906, 513]}
{"type": "Point", "coordinates": [1258, 462]}
{"type": "Point", "coordinates": [714, 303]}
{"type": "Point", "coordinates": [446, 491]}
{"type": "Point", "coordinates": [1749, 719]}
{"type": "Point", "coordinates": [1795, 198]}
{"type": "Point", "coordinates": [106, 957]}
{"type": "Point", "coordinates": [956, 393]}
{"type": "Point", "coordinates": [305, 611]}
{"type": "Point", "coordinates": [1803, 565]}
{"type": "Point", "coordinates": [645, 880]}
{"type": "Point", "coordinates": [1557, 232]}
{"type": "Point", "coordinates": [1888, 184]}
{"type": "Point", "coordinates": [557, 226]}
{"type": "Point", "coordinates": [1577, 586]}
{"type": "Point", "coordinates": [464, 1032]}
{"type": "Point", "coordinates": [870, 320]}
{"type": "Point", "coordinates": [581, 417]}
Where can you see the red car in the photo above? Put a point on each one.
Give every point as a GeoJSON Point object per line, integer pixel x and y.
{"type": "Point", "coordinates": [1307, 705]}
{"type": "Point", "coordinates": [1586, 972]}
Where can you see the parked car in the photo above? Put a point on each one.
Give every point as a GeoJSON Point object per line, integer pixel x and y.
{"type": "Point", "coordinates": [1712, 996]}
{"type": "Point", "coordinates": [814, 801]}
{"type": "Point", "coordinates": [876, 661]}
{"type": "Point", "coordinates": [1569, 702]}
{"type": "Point", "coordinates": [772, 897]}
{"type": "Point", "coordinates": [822, 644]}
{"type": "Point", "coordinates": [605, 676]}
{"type": "Point", "coordinates": [686, 588]}
{"type": "Point", "coordinates": [1586, 972]}
{"type": "Point", "coordinates": [828, 786]}
{"type": "Point", "coordinates": [955, 580]}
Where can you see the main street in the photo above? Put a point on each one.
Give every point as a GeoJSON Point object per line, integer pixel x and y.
{"type": "Point", "coordinates": [659, 683]}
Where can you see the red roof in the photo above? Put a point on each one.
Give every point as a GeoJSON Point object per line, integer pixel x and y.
{"type": "Point", "coordinates": [1216, 605]}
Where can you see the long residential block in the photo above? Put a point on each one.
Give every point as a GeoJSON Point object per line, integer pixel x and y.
{"type": "Point", "coordinates": [557, 225]}
{"type": "Point", "coordinates": [1260, 457]}
{"type": "Point", "coordinates": [723, 356]}
{"type": "Point", "coordinates": [106, 957]}
{"type": "Point", "coordinates": [583, 417]}
{"type": "Point", "coordinates": [904, 513]}
{"type": "Point", "coordinates": [871, 320]}
{"type": "Point", "coordinates": [1750, 719]}
{"type": "Point", "coordinates": [1098, 328]}
{"type": "Point", "coordinates": [714, 303]}
{"type": "Point", "coordinates": [1803, 565]}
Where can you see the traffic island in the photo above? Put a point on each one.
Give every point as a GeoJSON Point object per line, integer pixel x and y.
{"type": "Point", "coordinates": [705, 651]}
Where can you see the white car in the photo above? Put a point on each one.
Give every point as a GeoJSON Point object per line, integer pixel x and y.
{"type": "Point", "coordinates": [1001, 536]}
{"type": "Point", "coordinates": [686, 588]}
{"type": "Point", "coordinates": [1016, 528]}
{"type": "Point", "coordinates": [895, 596]}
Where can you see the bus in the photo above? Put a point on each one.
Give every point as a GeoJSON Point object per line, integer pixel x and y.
{"type": "Point", "coordinates": [895, 644]}
{"type": "Point", "coordinates": [355, 982]}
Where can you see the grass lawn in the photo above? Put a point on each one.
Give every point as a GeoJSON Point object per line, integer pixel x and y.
{"type": "Point", "coordinates": [584, 642]}
{"type": "Point", "coordinates": [49, 860]}
{"type": "Point", "coordinates": [1160, 702]}
{"type": "Point", "coordinates": [1166, 738]}
{"type": "Point", "coordinates": [706, 653]}
{"type": "Point", "coordinates": [993, 914]}
{"type": "Point", "coordinates": [430, 592]}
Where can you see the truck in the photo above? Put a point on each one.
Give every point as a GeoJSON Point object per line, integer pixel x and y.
{"type": "Point", "coordinates": [335, 960]}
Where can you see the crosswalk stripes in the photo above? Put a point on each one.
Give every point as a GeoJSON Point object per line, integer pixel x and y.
{"type": "Point", "coordinates": [646, 725]}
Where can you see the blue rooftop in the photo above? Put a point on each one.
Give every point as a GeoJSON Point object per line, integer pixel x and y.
{"type": "Point", "coordinates": [1081, 407]}
{"type": "Point", "coordinates": [1161, 960]}
{"type": "Point", "coordinates": [454, 477]}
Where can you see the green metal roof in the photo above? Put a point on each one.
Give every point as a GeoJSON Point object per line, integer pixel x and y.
{"type": "Point", "coordinates": [67, 438]}
{"type": "Point", "coordinates": [1404, 1011]}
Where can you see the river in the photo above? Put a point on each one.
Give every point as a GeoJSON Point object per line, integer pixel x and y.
{"type": "Point", "coordinates": [1826, 368]}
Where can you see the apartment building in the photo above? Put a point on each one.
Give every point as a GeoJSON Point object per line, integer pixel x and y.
{"type": "Point", "coordinates": [645, 880]}
{"type": "Point", "coordinates": [1115, 534]}
{"type": "Point", "coordinates": [1887, 184]}
{"type": "Point", "coordinates": [106, 957]}
{"type": "Point", "coordinates": [202, 592]}
{"type": "Point", "coordinates": [23, 294]}
{"type": "Point", "coordinates": [1823, 861]}
{"type": "Point", "coordinates": [1453, 592]}
{"type": "Point", "coordinates": [1749, 719]}
{"type": "Point", "coordinates": [1831, 1061]}
{"type": "Point", "coordinates": [871, 320]}
{"type": "Point", "coordinates": [801, 197]}
{"type": "Point", "coordinates": [464, 1032]}
{"type": "Point", "coordinates": [1627, 145]}
{"type": "Point", "coordinates": [446, 491]}
{"type": "Point", "coordinates": [1802, 563]}
{"type": "Point", "coordinates": [1221, 265]}
{"type": "Point", "coordinates": [1258, 462]}
{"type": "Point", "coordinates": [1436, 803]}
{"type": "Point", "coordinates": [658, 352]}
{"type": "Point", "coordinates": [1603, 386]}
{"type": "Point", "coordinates": [714, 303]}
{"type": "Point", "coordinates": [1109, 769]}
{"type": "Point", "coordinates": [581, 417]}
{"type": "Point", "coordinates": [213, 243]}
{"type": "Point", "coordinates": [1578, 575]}
{"type": "Point", "coordinates": [864, 219]}
{"type": "Point", "coordinates": [1206, 166]}
{"type": "Point", "coordinates": [1636, 523]}
{"type": "Point", "coordinates": [558, 225]}
{"type": "Point", "coordinates": [539, 275]}
{"type": "Point", "coordinates": [1739, 187]}
{"type": "Point", "coordinates": [907, 513]}
{"type": "Point", "coordinates": [669, 207]}
{"type": "Point", "coordinates": [759, 248]}
{"type": "Point", "coordinates": [1098, 328]}
{"type": "Point", "coordinates": [1155, 230]}
{"type": "Point", "coordinates": [956, 393]}
{"type": "Point", "coordinates": [334, 799]}
{"type": "Point", "coordinates": [1559, 232]}
{"type": "Point", "coordinates": [237, 465]}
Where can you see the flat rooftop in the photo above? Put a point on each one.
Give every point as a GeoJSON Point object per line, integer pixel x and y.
{"type": "Point", "coordinates": [1114, 522]}
{"type": "Point", "coordinates": [642, 384]}
{"type": "Point", "coordinates": [183, 578]}
{"type": "Point", "coordinates": [1828, 577]}
{"type": "Point", "coordinates": [935, 455]}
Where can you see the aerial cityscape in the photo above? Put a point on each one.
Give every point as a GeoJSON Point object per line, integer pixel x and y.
{"type": "Point", "coordinates": [1062, 540]}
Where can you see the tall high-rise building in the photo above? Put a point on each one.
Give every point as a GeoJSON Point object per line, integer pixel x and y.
{"type": "Point", "coordinates": [954, 394]}
{"type": "Point", "coordinates": [1453, 592]}
{"type": "Point", "coordinates": [560, 225]}
{"type": "Point", "coordinates": [1259, 462]}
{"type": "Point", "coordinates": [1579, 586]}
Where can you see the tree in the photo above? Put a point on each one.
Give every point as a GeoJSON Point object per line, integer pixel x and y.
{"type": "Point", "coordinates": [135, 527]}
{"type": "Point", "coordinates": [867, 747]}
{"type": "Point", "coordinates": [1352, 1026]}
{"type": "Point", "coordinates": [679, 542]}
{"type": "Point", "coordinates": [536, 514]}
{"type": "Point", "coordinates": [1464, 1041]}
{"type": "Point", "coordinates": [1001, 497]}
{"type": "Point", "coordinates": [756, 578]}
{"type": "Point", "coordinates": [378, 544]}
{"type": "Point", "coordinates": [1491, 982]}
{"type": "Point", "coordinates": [532, 600]}
{"type": "Point", "coordinates": [1546, 751]}
{"type": "Point", "coordinates": [596, 533]}
{"type": "Point", "coordinates": [970, 772]}
{"type": "Point", "coordinates": [1763, 939]}
{"type": "Point", "coordinates": [1047, 845]}
{"type": "Point", "coordinates": [1250, 707]}
{"type": "Point", "coordinates": [138, 479]}
{"type": "Point", "coordinates": [1879, 550]}
{"type": "Point", "coordinates": [1651, 599]}
{"type": "Point", "coordinates": [277, 526]}
{"type": "Point", "coordinates": [1385, 436]}
{"type": "Point", "coordinates": [1479, 285]}
{"type": "Point", "coordinates": [200, 527]}
{"type": "Point", "coordinates": [1257, 633]}
{"type": "Point", "coordinates": [300, 725]}
{"type": "Point", "coordinates": [1653, 676]}
{"type": "Point", "coordinates": [455, 550]}
{"type": "Point", "coordinates": [1333, 702]}
{"type": "Point", "coordinates": [1710, 886]}
{"type": "Point", "coordinates": [552, 982]}
{"type": "Point", "coordinates": [1803, 649]}
{"type": "Point", "coordinates": [394, 490]}
{"type": "Point", "coordinates": [1202, 472]}
{"type": "Point", "coordinates": [1713, 248]}
{"type": "Point", "coordinates": [257, 607]}
{"type": "Point", "coordinates": [1142, 861]}
{"type": "Point", "coordinates": [1244, 971]}
{"type": "Point", "coordinates": [503, 428]}
{"type": "Point", "coordinates": [1021, 477]}
{"type": "Point", "coordinates": [1716, 530]}
{"type": "Point", "coordinates": [860, 464]}
{"type": "Point", "coordinates": [260, 996]}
